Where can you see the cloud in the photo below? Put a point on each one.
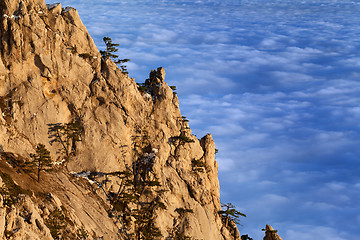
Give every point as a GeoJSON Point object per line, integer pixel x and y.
{"type": "Point", "coordinates": [275, 199]}
{"type": "Point", "coordinates": [276, 82]}
{"type": "Point", "coordinates": [306, 232]}
{"type": "Point", "coordinates": [225, 164]}
{"type": "Point", "coordinates": [154, 33]}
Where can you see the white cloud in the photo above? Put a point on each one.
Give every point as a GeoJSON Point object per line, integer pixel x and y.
{"type": "Point", "coordinates": [275, 199]}
{"type": "Point", "coordinates": [292, 77]}
{"type": "Point", "coordinates": [154, 33]}
{"type": "Point", "coordinates": [322, 206]}
{"type": "Point", "coordinates": [276, 82]}
{"type": "Point", "coordinates": [247, 176]}
{"type": "Point", "coordinates": [225, 164]}
{"type": "Point", "coordinates": [306, 232]}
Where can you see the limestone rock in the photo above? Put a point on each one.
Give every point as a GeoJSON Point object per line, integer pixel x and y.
{"type": "Point", "coordinates": [52, 77]}
{"type": "Point", "coordinates": [54, 8]}
{"type": "Point", "coordinates": [271, 234]}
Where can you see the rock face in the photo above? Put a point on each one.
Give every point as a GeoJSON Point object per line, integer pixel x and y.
{"type": "Point", "coordinates": [133, 171]}
{"type": "Point", "coordinates": [271, 234]}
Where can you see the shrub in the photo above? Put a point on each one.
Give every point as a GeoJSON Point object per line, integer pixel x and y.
{"type": "Point", "coordinates": [198, 165]}
{"type": "Point", "coordinates": [11, 191]}
{"type": "Point", "coordinates": [182, 211]}
{"type": "Point", "coordinates": [85, 56]}
{"type": "Point", "coordinates": [143, 88]}
{"type": "Point", "coordinates": [73, 49]}
{"type": "Point", "coordinates": [55, 222]}
{"type": "Point", "coordinates": [246, 237]}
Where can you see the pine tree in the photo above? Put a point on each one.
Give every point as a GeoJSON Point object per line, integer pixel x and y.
{"type": "Point", "coordinates": [230, 213]}
{"type": "Point", "coordinates": [111, 48]}
{"type": "Point", "coordinates": [72, 131]}
{"type": "Point", "coordinates": [41, 160]}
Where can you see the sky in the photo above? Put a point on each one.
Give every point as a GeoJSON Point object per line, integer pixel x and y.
{"type": "Point", "coordinates": [276, 82]}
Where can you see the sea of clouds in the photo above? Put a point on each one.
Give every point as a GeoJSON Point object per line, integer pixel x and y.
{"type": "Point", "coordinates": [275, 82]}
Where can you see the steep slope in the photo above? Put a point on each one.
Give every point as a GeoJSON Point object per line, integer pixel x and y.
{"type": "Point", "coordinates": [133, 170]}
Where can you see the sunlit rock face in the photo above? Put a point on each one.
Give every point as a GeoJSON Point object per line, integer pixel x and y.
{"type": "Point", "coordinates": [271, 234]}
{"type": "Point", "coordinates": [133, 152]}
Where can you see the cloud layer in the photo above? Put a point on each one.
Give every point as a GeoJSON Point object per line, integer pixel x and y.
{"type": "Point", "coordinates": [276, 82]}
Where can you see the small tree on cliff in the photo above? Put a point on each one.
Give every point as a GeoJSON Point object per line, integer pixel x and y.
{"type": "Point", "coordinates": [111, 48]}
{"type": "Point", "coordinates": [41, 160]}
{"type": "Point", "coordinates": [230, 214]}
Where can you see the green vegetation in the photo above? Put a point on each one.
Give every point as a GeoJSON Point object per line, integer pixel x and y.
{"type": "Point", "coordinates": [182, 138]}
{"type": "Point", "coordinates": [82, 234]}
{"type": "Point", "coordinates": [41, 160]}
{"type": "Point", "coordinates": [55, 222]}
{"type": "Point", "coordinates": [141, 141]}
{"type": "Point", "coordinates": [9, 234]}
{"type": "Point", "coordinates": [144, 87]}
{"type": "Point", "coordinates": [141, 87]}
{"type": "Point", "coordinates": [230, 214]}
{"type": "Point", "coordinates": [198, 165]}
{"type": "Point", "coordinates": [246, 237]}
{"type": "Point", "coordinates": [177, 232]}
{"type": "Point", "coordinates": [125, 196]}
{"type": "Point", "coordinates": [174, 89]}
{"type": "Point", "coordinates": [85, 56]}
{"type": "Point", "coordinates": [148, 189]}
{"type": "Point", "coordinates": [111, 48]}
{"type": "Point", "coordinates": [181, 236]}
{"type": "Point", "coordinates": [144, 224]}
{"type": "Point", "coordinates": [11, 192]}
{"type": "Point", "coordinates": [139, 195]}
{"type": "Point", "coordinates": [182, 211]}
{"type": "Point", "coordinates": [272, 231]}
{"type": "Point", "coordinates": [7, 104]}
{"type": "Point", "coordinates": [73, 49]}
{"type": "Point", "coordinates": [58, 223]}
{"type": "Point", "coordinates": [135, 199]}
{"type": "Point", "coordinates": [15, 161]}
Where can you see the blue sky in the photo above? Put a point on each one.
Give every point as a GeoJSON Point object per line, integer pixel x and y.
{"type": "Point", "coordinates": [277, 83]}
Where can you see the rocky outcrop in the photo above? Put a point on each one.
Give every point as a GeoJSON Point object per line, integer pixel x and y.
{"type": "Point", "coordinates": [271, 234]}
{"type": "Point", "coordinates": [133, 154]}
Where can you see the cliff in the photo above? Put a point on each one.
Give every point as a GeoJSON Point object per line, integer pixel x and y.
{"type": "Point", "coordinates": [125, 164]}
